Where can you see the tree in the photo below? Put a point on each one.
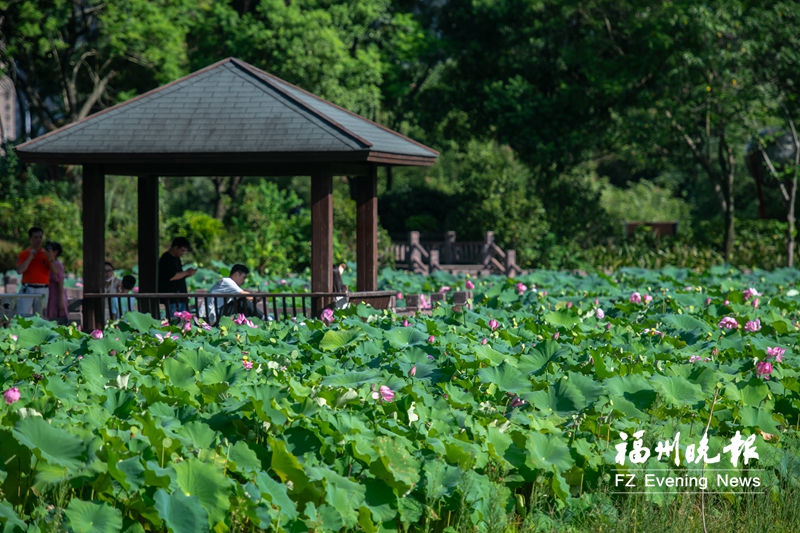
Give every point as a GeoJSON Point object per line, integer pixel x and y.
{"type": "Point", "coordinates": [774, 53]}
{"type": "Point", "coordinates": [68, 58]}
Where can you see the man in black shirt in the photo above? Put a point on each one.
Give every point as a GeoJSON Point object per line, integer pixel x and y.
{"type": "Point", "coordinates": [171, 276]}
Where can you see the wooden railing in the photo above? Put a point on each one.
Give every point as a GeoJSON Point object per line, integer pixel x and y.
{"type": "Point", "coordinates": [476, 258]}
{"type": "Point", "coordinates": [268, 305]}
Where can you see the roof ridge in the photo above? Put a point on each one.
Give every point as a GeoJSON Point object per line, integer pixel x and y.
{"type": "Point", "coordinates": [83, 121]}
{"type": "Point", "coordinates": [250, 67]}
{"type": "Point", "coordinates": [246, 67]}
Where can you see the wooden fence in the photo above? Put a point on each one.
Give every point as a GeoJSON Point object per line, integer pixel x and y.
{"type": "Point", "coordinates": [474, 258]}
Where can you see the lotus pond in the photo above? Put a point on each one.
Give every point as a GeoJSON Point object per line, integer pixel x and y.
{"type": "Point", "coordinates": [467, 419]}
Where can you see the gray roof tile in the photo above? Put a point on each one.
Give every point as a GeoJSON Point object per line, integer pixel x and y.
{"type": "Point", "coordinates": [228, 107]}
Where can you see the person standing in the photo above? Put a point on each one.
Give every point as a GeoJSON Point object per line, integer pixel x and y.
{"type": "Point", "coordinates": [172, 277]}
{"type": "Point", "coordinates": [34, 265]}
{"type": "Point", "coordinates": [111, 286]}
{"type": "Point", "coordinates": [56, 295]}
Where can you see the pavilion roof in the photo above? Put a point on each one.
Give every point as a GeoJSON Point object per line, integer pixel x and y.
{"type": "Point", "coordinates": [229, 111]}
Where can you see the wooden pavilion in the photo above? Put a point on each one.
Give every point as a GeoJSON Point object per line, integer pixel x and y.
{"type": "Point", "coordinates": [227, 119]}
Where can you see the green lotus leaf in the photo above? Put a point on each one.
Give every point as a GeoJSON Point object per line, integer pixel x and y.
{"type": "Point", "coordinates": [506, 377]}
{"type": "Point", "coordinates": [277, 494]}
{"type": "Point", "coordinates": [630, 394]}
{"type": "Point", "coordinates": [141, 322]}
{"type": "Point", "coordinates": [180, 374]}
{"type": "Point", "coordinates": [287, 466]}
{"type": "Point", "coordinates": [565, 319]}
{"type": "Point", "coordinates": [752, 392]}
{"type": "Point", "coordinates": [196, 434]}
{"type": "Point", "coordinates": [54, 445]}
{"type": "Point", "coordinates": [677, 390]}
{"type": "Point", "coordinates": [396, 465]}
{"type": "Point", "coordinates": [401, 337]}
{"type": "Point", "coordinates": [30, 337]}
{"type": "Point", "coordinates": [181, 513]}
{"type": "Point", "coordinates": [10, 519]}
{"type": "Point", "coordinates": [336, 339]}
{"type": "Point", "coordinates": [244, 459]}
{"type": "Point", "coordinates": [380, 499]}
{"type": "Point", "coordinates": [762, 419]}
{"type": "Point", "coordinates": [208, 483]}
{"type": "Point", "coordinates": [352, 380]}
{"type": "Point", "coordinates": [489, 354]}
{"type": "Point", "coordinates": [547, 451]}
{"type": "Point", "coordinates": [93, 517]}
{"type": "Point", "coordinates": [563, 398]}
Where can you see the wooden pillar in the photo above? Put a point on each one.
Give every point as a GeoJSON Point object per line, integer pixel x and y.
{"type": "Point", "coordinates": [321, 238]}
{"type": "Point", "coordinates": [367, 231]}
{"type": "Point", "coordinates": [94, 243]}
{"type": "Point", "coordinates": [148, 241]}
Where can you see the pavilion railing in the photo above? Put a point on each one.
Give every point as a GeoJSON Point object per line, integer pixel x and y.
{"type": "Point", "coordinates": [278, 306]}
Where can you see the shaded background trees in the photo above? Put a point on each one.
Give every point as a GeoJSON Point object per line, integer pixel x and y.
{"type": "Point", "coordinates": [556, 120]}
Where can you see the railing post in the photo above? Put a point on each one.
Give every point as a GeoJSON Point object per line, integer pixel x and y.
{"type": "Point", "coordinates": [434, 264]}
{"type": "Point", "coordinates": [488, 241]}
{"type": "Point", "coordinates": [450, 247]}
{"type": "Point", "coordinates": [415, 253]}
{"type": "Point", "coordinates": [511, 263]}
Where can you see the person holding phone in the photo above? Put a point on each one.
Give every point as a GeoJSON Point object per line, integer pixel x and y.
{"type": "Point", "coordinates": [34, 265]}
{"type": "Point", "coordinates": [172, 277]}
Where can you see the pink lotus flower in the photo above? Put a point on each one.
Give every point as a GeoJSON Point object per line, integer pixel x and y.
{"type": "Point", "coordinates": [708, 301]}
{"type": "Point", "coordinates": [608, 327]}
{"type": "Point", "coordinates": [205, 326]}
{"type": "Point", "coordinates": [431, 357]}
{"type": "Point", "coordinates": [753, 325]}
{"type": "Point", "coordinates": [187, 327]}
{"type": "Point", "coordinates": [431, 339]}
{"type": "Point", "coordinates": [714, 351]}
{"type": "Point", "coordinates": [484, 341]}
{"type": "Point", "coordinates": [688, 288]}
{"type": "Point", "coordinates": [728, 323]}
{"type": "Point", "coordinates": [749, 293]}
{"type": "Point", "coordinates": [521, 287]}
{"type": "Point", "coordinates": [569, 305]}
{"type": "Point", "coordinates": [727, 302]}
{"type": "Point", "coordinates": [599, 314]}
{"type": "Point", "coordinates": [384, 394]}
{"type": "Point", "coordinates": [327, 315]}
{"type": "Point", "coordinates": [399, 296]}
{"type": "Point", "coordinates": [165, 323]}
{"type": "Point", "coordinates": [79, 284]}
{"type": "Point", "coordinates": [112, 353]}
{"type": "Point", "coordinates": [764, 369]}
{"type": "Point", "coordinates": [97, 334]}
{"type": "Point", "coordinates": [11, 395]}
{"type": "Point", "coordinates": [444, 289]}
{"type": "Point", "coordinates": [14, 338]}
{"type": "Point", "coordinates": [413, 371]}
{"type": "Point", "coordinates": [755, 303]}
{"type": "Point", "coordinates": [183, 315]}
{"type": "Point", "coordinates": [136, 289]}
{"type": "Point", "coordinates": [596, 301]}
{"type": "Point", "coordinates": [494, 324]}
{"type": "Point", "coordinates": [469, 285]}
{"type": "Point", "coordinates": [405, 323]}
{"type": "Point", "coordinates": [543, 294]}
{"type": "Point", "coordinates": [248, 365]}
{"type": "Point", "coordinates": [694, 358]}
{"type": "Point", "coordinates": [636, 298]}
{"type": "Point", "coordinates": [647, 298]}
{"type": "Point", "coordinates": [776, 352]}
{"type": "Point", "coordinates": [556, 335]}
{"type": "Point", "coordinates": [423, 302]}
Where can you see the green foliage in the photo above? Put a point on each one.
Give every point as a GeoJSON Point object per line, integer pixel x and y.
{"type": "Point", "coordinates": [203, 231]}
{"type": "Point", "coordinates": [180, 436]}
{"type": "Point", "coordinates": [645, 201]}
{"type": "Point", "coordinates": [60, 220]}
{"type": "Point", "coordinates": [264, 236]}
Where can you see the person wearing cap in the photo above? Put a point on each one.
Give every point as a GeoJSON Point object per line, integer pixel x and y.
{"type": "Point", "coordinates": [172, 277]}
{"type": "Point", "coordinates": [34, 265]}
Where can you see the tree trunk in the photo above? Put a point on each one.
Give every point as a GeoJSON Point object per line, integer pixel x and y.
{"type": "Point", "coordinates": [790, 245]}
{"type": "Point", "coordinates": [729, 232]}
